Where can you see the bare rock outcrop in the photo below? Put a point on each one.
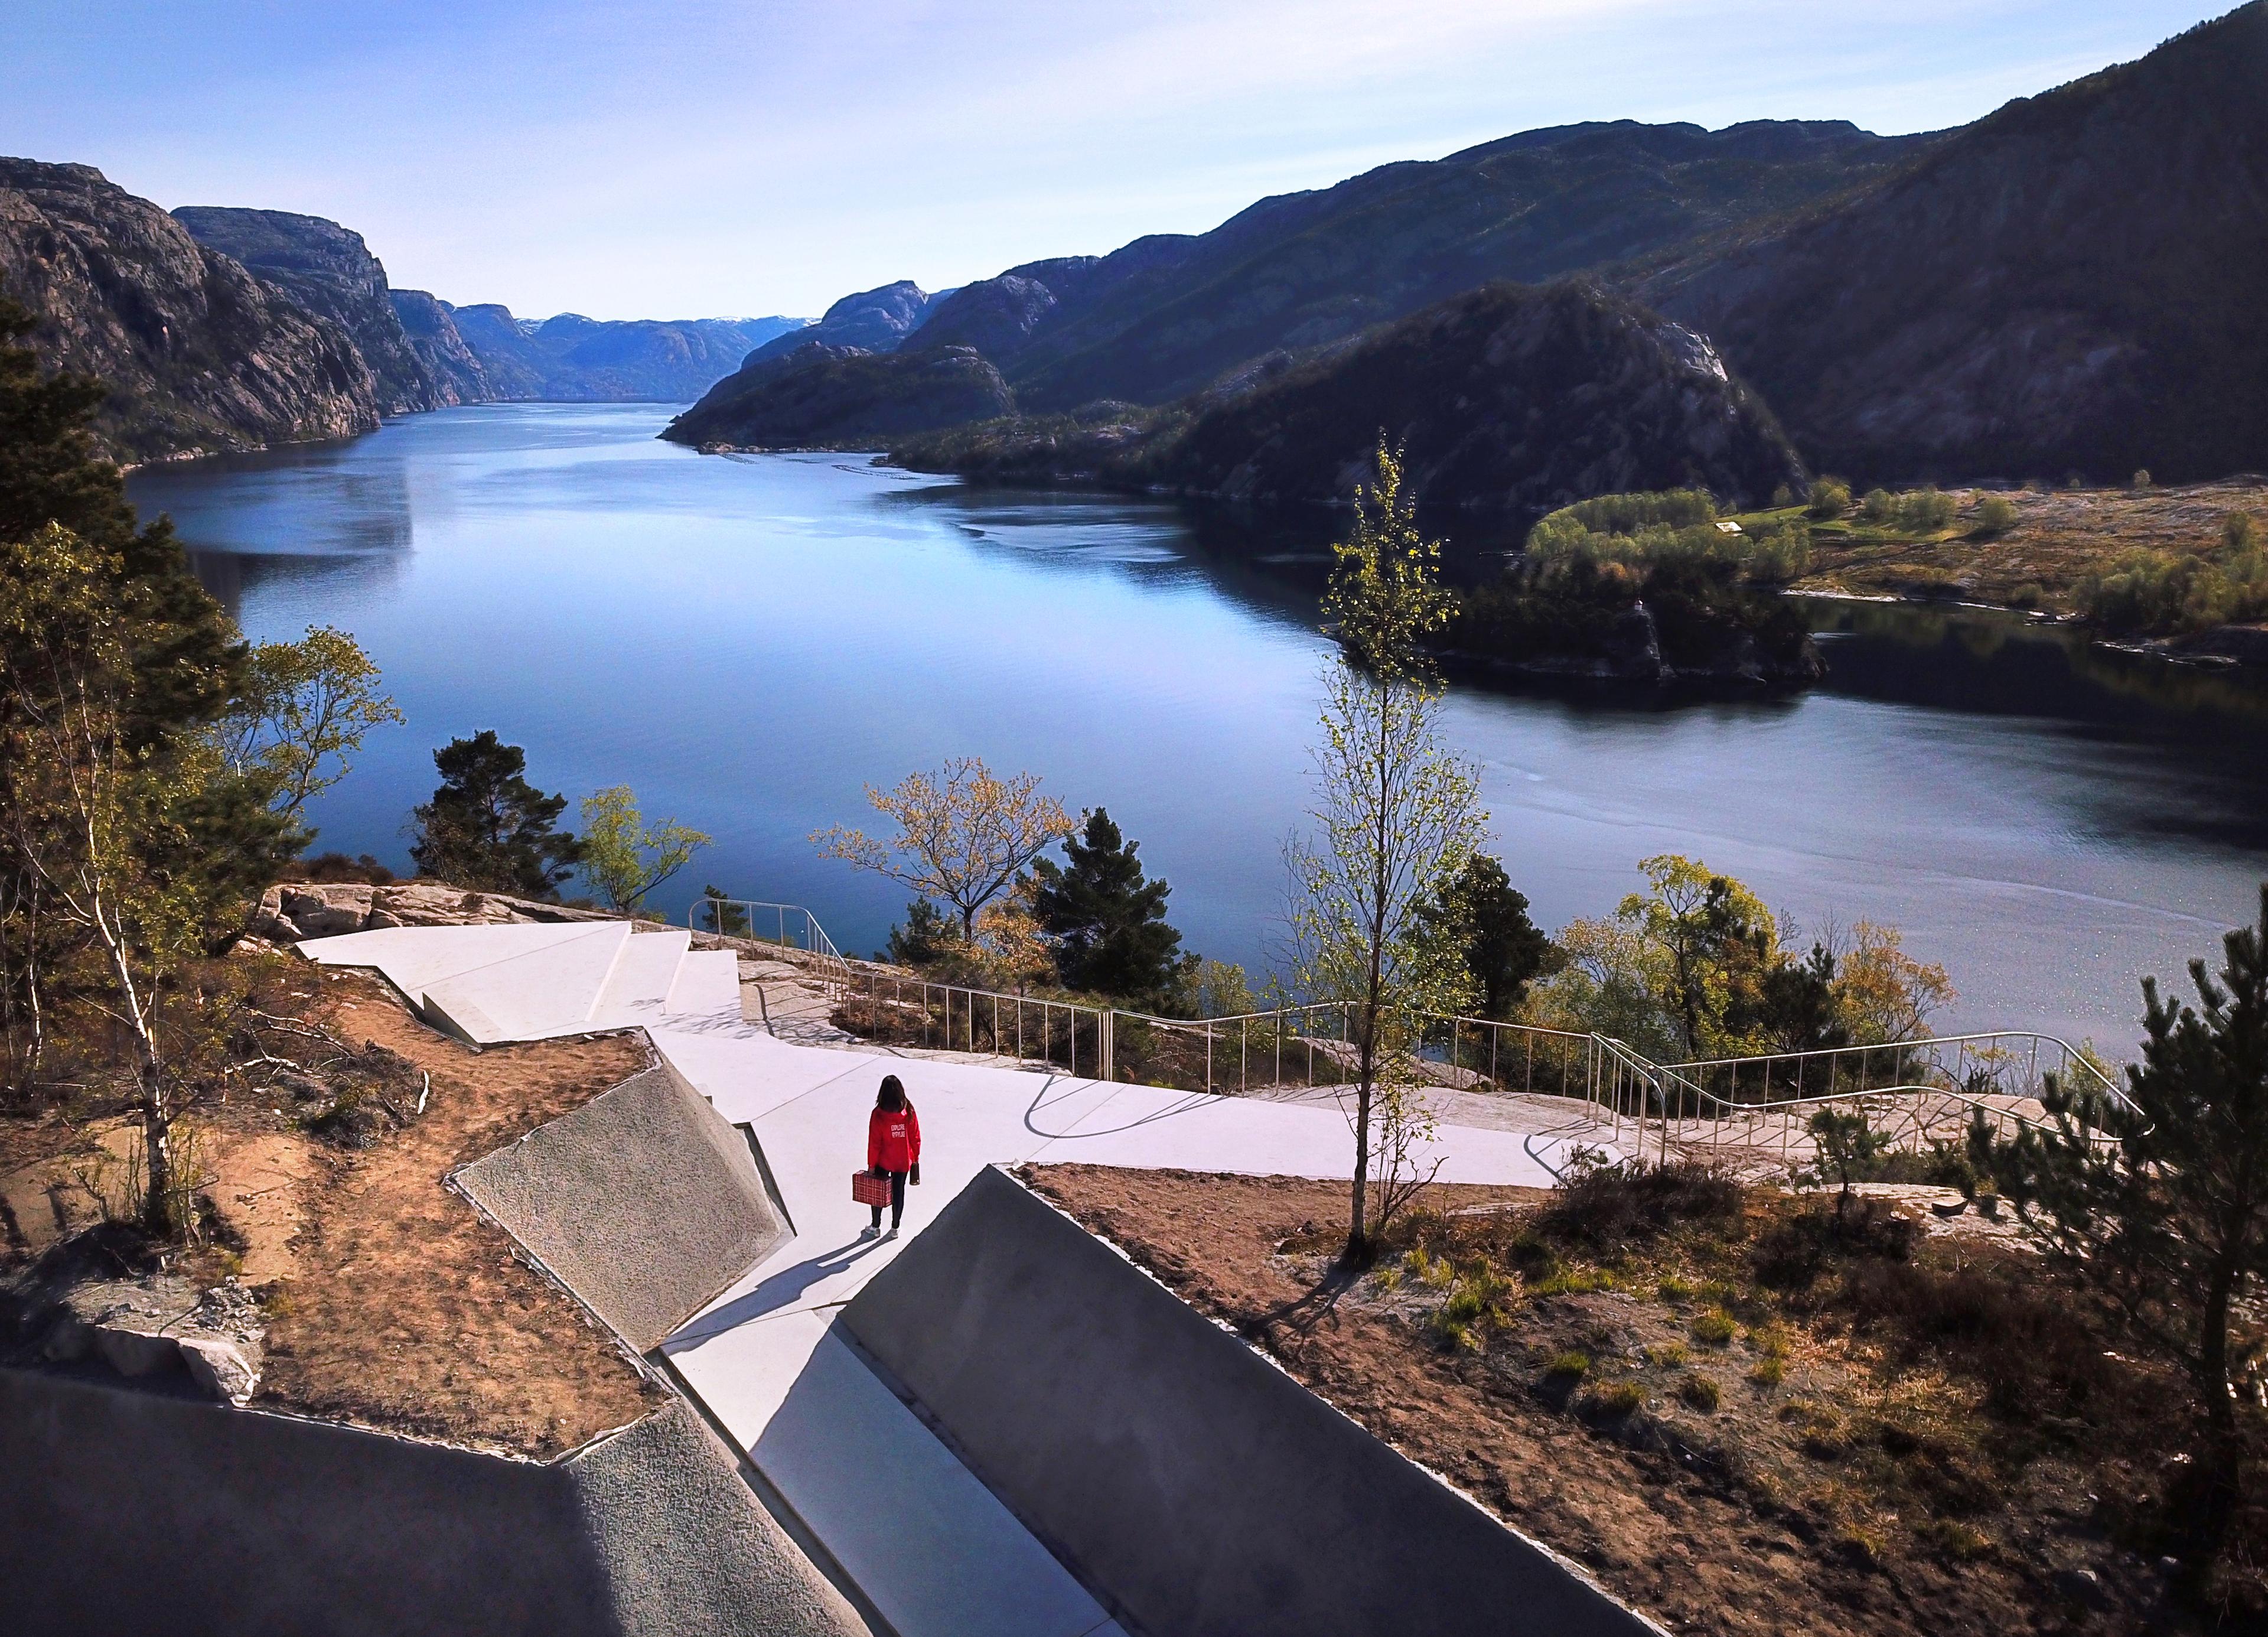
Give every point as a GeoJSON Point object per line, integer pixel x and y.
{"type": "Point", "coordinates": [293, 910]}
{"type": "Point", "coordinates": [200, 355]}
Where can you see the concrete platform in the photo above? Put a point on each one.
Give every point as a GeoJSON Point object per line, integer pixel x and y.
{"type": "Point", "coordinates": [927, 1544]}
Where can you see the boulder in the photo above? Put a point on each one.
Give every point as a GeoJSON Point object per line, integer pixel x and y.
{"type": "Point", "coordinates": [135, 1352]}
{"type": "Point", "coordinates": [218, 1368]}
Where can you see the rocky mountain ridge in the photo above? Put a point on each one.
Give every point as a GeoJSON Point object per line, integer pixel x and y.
{"type": "Point", "coordinates": [2071, 285]}
{"type": "Point", "coordinates": [222, 330]}
{"type": "Point", "coordinates": [823, 396]}
{"type": "Point", "coordinates": [1508, 399]}
{"type": "Point", "coordinates": [200, 355]}
{"type": "Point", "coordinates": [328, 270]}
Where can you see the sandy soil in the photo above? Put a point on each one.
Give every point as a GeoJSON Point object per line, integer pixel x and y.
{"type": "Point", "coordinates": [402, 1309]}
{"type": "Point", "coordinates": [1645, 1502]}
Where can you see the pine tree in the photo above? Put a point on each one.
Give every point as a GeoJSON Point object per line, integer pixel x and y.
{"type": "Point", "coordinates": [1482, 912]}
{"type": "Point", "coordinates": [2160, 1203]}
{"type": "Point", "coordinates": [1106, 921]}
{"type": "Point", "coordinates": [488, 827]}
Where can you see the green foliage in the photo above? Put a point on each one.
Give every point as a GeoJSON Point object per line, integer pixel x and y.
{"type": "Point", "coordinates": [1848, 1146]}
{"type": "Point", "coordinates": [1702, 1392]}
{"type": "Point", "coordinates": [624, 857]}
{"type": "Point", "coordinates": [1217, 989]}
{"type": "Point", "coordinates": [488, 828]}
{"type": "Point", "coordinates": [1713, 1330]}
{"type": "Point", "coordinates": [1627, 514]}
{"type": "Point", "coordinates": [1830, 497]}
{"type": "Point", "coordinates": [927, 935]}
{"type": "Point", "coordinates": [1922, 511]}
{"type": "Point", "coordinates": [128, 845]}
{"type": "Point", "coordinates": [1481, 914]}
{"type": "Point", "coordinates": [1397, 814]}
{"type": "Point", "coordinates": [1587, 566]}
{"type": "Point", "coordinates": [1105, 922]}
{"type": "Point", "coordinates": [2239, 533]}
{"type": "Point", "coordinates": [1615, 1398]}
{"type": "Point", "coordinates": [1386, 597]}
{"type": "Point", "coordinates": [2160, 1203]}
{"type": "Point", "coordinates": [2151, 591]}
{"type": "Point", "coordinates": [300, 714]}
{"type": "Point", "coordinates": [1996, 515]}
{"type": "Point", "coordinates": [1568, 1366]}
{"type": "Point", "coordinates": [719, 914]}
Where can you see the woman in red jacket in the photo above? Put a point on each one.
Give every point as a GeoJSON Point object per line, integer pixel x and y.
{"type": "Point", "coordinates": [892, 1150]}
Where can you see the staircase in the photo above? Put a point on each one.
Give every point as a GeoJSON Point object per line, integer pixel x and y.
{"type": "Point", "coordinates": [486, 984]}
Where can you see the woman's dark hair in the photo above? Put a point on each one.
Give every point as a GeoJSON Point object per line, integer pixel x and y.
{"type": "Point", "coordinates": [893, 1099]}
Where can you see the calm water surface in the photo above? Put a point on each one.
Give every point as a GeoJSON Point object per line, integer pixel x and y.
{"type": "Point", "coordinates": [750, 641]}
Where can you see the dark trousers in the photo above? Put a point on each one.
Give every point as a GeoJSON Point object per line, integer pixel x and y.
{"type": "Point", "coordinates": [897, 1200]}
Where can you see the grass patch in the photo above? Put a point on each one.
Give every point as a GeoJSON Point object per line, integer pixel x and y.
{"type": "Point", "coordinates": [1568, 1365]}
{"type": "Point", "coordinates": [1614, 1398]}
{"type": "Point", "coordinates": [1713, 1330]}
{"type": "Point", "coordinates": [1702, 1392]}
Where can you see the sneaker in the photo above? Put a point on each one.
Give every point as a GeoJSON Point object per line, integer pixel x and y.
{"type": "Point", "coordinates": [869, 1233]}
{"type": "Point", "coordinates": [892, 1234]}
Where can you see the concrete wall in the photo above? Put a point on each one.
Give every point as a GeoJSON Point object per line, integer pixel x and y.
{"type": "Point", "coordinates": [645, 1201]}
{"type": "Point", "coordinates": [1177, 1471]}
{"type": "Point", "coordinates": [128, 1511]}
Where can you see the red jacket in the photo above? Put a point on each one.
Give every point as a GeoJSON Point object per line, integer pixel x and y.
{"type": "Point", "coordinates": [893, 1140]}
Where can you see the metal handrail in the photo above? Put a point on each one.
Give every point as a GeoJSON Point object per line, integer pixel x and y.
{"type": "Point", "coordinates": [1602, 1071]}
{"type": "Point", "coordinates": [790, 920]}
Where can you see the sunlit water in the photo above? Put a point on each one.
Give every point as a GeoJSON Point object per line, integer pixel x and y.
{"type": "Point", "coordinates": [750, 641]}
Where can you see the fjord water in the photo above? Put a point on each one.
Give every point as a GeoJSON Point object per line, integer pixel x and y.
{"type": "Point", "coordinates": [749, 641]}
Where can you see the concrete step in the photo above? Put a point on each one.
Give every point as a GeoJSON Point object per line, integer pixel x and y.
{"type": "Point", "coordinates": [546, 991]}
{"type": "Point", "coordinates": [707, 986]}
{"type": "Point", "coordinates": [644, 971]}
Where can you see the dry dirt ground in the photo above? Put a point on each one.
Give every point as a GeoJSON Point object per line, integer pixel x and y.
{"type": "Point", "coordinates": [2059, 537]}
{"type": "Point", "coordinates": [387, 1301]}
{"type": "Point", "coordinates": [1811, 1486]}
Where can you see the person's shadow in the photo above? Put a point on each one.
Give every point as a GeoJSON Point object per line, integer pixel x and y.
{"type": "Point", "coordinates": [783, 1289]}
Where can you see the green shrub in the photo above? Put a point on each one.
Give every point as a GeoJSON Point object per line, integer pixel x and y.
{"type": "Point", "coordinates": [1714, 1330]}
{"type": "Point", "coordinates": [1768, 1371]}
{"type": "Point", "coordinates": [1782, 498]}
{"type": "Point", "coordinates": [2030, 595]}
{"type": "Point", "coordinates": [1667, 1355]}
{"type": "Point", "coordinates": [1569, 1364]}
{"type": "Point", "coordinates": [2141, 478]}
{"type": "Point", "coordinates": [1613, 1397]}
{"type": "Point", "coordinates": [1676, 1289]}
{"type": "Point", "coordinates": [1880, 507]}
{"type": "Point", "coordinates": [1702, 1392]}
{"type": "Point", "coordinates": [1924, 511]}
{"type": "Point", "coordinates": [1996, 515]}
{"type": "Point", "coordinates": [2238, 532]}
{"type": "Point", "coordinates": [1830, 497]}
{"type": "Point", "coordinates": [1626, 515]}
{"type": "Point", "coordinates": [1779, 553]}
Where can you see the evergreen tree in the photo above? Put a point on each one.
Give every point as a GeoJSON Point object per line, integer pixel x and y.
{"type": "Point", "coordinates": [1480, 912]}
{"type": "Point", "coordinates": [488, 827]}
{"type": "Point", "coordinates": [928, 935]}
{"type": "Point", "coordinates": [2160, 1203]}
{"type": "Point", "coordinates": [1106, 922]}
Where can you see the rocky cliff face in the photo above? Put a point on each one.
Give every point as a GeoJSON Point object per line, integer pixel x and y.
{"type": "Point", "coordinates": [1166, 315]}
{"type": "Point", "coordinates": [430, 326]}
{"type": "Point", "coordinates": [872, 321]}
{"type": "Point", "coordinates": [2073, 284]}
{"type": "Point", "coordinates": [328, 270]}
{"type": "Point", "coordinates": [1508, 399]}
{"type": "Point", "coordinates": [200, 355]}
{"type": "Point", "coordinates": [819, 396]}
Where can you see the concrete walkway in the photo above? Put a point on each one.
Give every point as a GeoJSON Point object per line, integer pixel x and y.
{"type": "Point", "coordinates": [928, 1546]}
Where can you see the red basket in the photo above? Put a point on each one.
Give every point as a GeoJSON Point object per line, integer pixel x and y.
{"type": "Point", "coordinates": [868, 1189]}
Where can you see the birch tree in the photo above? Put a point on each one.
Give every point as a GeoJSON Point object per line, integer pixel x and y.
{"type": "Point", "coordinates": [963, 835]}
{"type": "Point", "coordinates": [1396, 816]}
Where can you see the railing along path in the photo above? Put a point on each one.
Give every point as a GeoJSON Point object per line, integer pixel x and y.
{"type": "Point", "coordinates": [1749, 1111]}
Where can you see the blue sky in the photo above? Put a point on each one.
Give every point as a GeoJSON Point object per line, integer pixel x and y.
{"type": "Point", "coordinates": [631, 159]}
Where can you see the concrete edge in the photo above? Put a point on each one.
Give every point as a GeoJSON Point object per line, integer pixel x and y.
{"type": "Point", "coordinates": [1573, 1569]}
{"type": "Point", "coordinates": [1459, 1496]}
{"type": "Point", "coordinates": [782, 1509]}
